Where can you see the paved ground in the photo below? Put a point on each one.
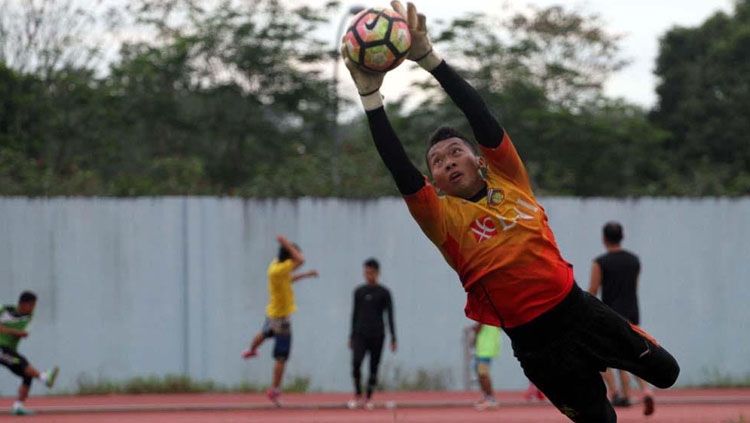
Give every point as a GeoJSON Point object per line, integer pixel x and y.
{"type": "Point", "coordinates": [673, 406]}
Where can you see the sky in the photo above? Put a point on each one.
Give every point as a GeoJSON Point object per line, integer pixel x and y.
{"type": "Point", "coordinates": [641, 22]}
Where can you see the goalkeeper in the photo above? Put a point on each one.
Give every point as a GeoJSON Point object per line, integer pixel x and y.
{"type": "Point", "coordinates": [491, 230]}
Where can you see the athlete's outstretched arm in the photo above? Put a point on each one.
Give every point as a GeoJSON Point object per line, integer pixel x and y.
{"type": "Point", "coordinates": [487, 130]}
{"type": "Point", "coordinates": [309, 274]}
{"type": "Point", "coordinates": [355, 307]}
{"type": "Point", "coordinates": [408, 178]}
{"type": "Point", "coordinates": [391, 320]}
{"type": "Point", "coordinates": [294, 252]}
{"type": "Point", "coordinates": [595, 281]}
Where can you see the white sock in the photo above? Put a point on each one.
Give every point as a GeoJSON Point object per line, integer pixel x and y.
{"type": "Point", "coordinates": [17, 404]}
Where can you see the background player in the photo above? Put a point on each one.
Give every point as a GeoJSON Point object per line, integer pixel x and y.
{"type": "Point", "coordinates": [486, 347]}
{"type": "Point", "coordinates": [13, 323]}
{"type": "Point", "coordinates": [371, 301]}
{"type": "Point", "coordinates": [280, 307]}
{"type": "Point", "coordinates": [616, 273]}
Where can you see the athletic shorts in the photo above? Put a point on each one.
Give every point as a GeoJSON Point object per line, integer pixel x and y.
{"type": "Point", "coordinates": [16, 363]}
{"type": "Point", "coordinates": [280, 329]}
{"type": "Point", "coordinates": [563, 350]}
{"type": "Point", "coordinates": [482, 365]}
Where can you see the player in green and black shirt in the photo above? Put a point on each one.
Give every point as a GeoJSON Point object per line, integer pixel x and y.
{"type": "Point", "coordinates": [13, 323]}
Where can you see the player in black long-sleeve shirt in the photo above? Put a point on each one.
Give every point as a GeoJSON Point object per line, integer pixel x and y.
{"type": "Point", "coordinates": [481, 213]}
{"type": "Point", "coordinates": [371, 302]}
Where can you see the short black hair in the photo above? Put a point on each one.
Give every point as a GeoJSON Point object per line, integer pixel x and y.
{"type": "Point", "coordinates": [446, 132]}
{"type": "Point", "coordinates": [443, 133]}
{"type": "Point", "coordinates": [285, 254]}
{"type": "Point", "coordinates": [612, 232]}
{"type": "Point", "coordinates": [27, 297]}
{"type": "Point", "coordinates": [372, 263]}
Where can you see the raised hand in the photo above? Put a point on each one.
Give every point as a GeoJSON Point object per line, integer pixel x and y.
{"type": "Point", "coordinates": [367, 82]}
{"type": "Point", "coordinates": [421, 46]}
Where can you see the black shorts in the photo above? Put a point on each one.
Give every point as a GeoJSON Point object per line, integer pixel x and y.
{"type": "Point", "coordinates": [280, 329]}
{"type": "Point", "coordinates": [630, 315]}
{"type": "Point", "coordinates": [16, 363]}
{"type": "Point", "coordinates": [564, 350]}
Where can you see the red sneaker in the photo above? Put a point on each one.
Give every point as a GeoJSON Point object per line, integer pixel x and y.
{"type": "Point", "coordinates": [273, 395]}
{"type": "Point", "coordinates": [649, 406]}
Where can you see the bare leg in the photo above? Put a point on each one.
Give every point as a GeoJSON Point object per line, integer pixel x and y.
{"type": "Point", "coordinates": [647, 394]}
{"type": "Point", "coordinates": [31, 372]}
{"type": "Point", "coordinates": [643, 386]}
{"type": "Point", "coordinates": [254, 344]}
{"type": "Point", "coordinates": [23, 392]}
{"type": "Point", "coordinates": [486, 384]}
{"type": "Point", "coordinates": [609, 380]}
{"type": "Point", "coordinates": [278, 373]}
{"type": "Point", "coordinates": [257, 341]}
{"type": "Point", "coordinates": [625, 381]}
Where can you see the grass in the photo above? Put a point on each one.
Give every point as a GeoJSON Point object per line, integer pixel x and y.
{"type": "Point", "coordinates": [173, 384]}
{"type": "Point", "coordinates": [420, 380]}
{"type": "Point", "coordinates": [714, 378]}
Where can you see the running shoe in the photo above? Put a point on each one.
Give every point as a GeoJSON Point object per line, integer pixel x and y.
{"type": "Point", "coordinates": [273, 395]}
{"type": "Point", "coordinates": [21, 411]}
{"type": "Point", "coordinates": [486, 404]}
{"type": "Point", "coordinates": [52, 376]}
{"type": "Point", "coordinates": [649, 406]}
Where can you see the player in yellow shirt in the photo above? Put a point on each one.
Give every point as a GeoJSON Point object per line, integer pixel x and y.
{"type": "Point", "coordinates": [280, 307]}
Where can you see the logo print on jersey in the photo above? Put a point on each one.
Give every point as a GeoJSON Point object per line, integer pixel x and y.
{"type": "Point", "coordinates": [483, 228]}
{"type": "Point", "coordinates": [495, 196]}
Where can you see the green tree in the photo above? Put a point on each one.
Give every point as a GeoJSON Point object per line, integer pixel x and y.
{"type": "Point", "coordinates": [703, 99]}
{"type": "Point", "coordinates": [545, 84]}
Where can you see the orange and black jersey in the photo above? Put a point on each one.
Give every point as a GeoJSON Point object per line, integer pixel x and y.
{"type": "Point", "coordinates": [500, 245]}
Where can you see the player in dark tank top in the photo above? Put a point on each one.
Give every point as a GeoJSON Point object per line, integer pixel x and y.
{"type": "Point", "coordinates": [616, 273]}
{"type": "Point", "coordinates": [619, 281]}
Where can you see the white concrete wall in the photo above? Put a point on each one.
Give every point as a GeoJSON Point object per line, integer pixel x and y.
{"type": "Point", "coordinates": [170, 285]}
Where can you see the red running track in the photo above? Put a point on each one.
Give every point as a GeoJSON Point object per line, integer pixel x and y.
{"type": "Point", "coordinates": [673, 406]}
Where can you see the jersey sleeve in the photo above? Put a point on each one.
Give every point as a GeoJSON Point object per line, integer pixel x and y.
{"type": "Point", "coordinates": [278, 268]}
{"type": "Point", "coordinates": [427, 209]}
{"type": "Point", "coordinates": [504, 160]}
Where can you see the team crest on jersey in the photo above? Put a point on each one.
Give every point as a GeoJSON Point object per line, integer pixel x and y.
{"type": "Point", "coordinates": [495, 196]}
{"type": "Point", "coordinates": [483, 228]}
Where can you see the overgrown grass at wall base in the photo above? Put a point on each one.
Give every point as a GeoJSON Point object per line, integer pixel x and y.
{"type": "Point", "coordinates": [715, 378]}
{"type": "Point", "coordinates": [175, 384]}
{"type": "Point", "coordinates": [396, 379]}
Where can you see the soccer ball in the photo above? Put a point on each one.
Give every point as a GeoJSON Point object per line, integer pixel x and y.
{"type": "Point", "coordinates": [377, 40]}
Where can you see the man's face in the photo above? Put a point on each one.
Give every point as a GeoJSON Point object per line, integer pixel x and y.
{"type": "Point", "coordinates": [371, 274]}
{"type": "Point", "coordinates": [455, 168]}
{"type": "Point", "coordinates": [27, 307]}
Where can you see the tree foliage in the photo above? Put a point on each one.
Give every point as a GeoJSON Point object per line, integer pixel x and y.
{"type": "Point", "coordinates": [223, 98]}
{"type": "Point", "coordinates": [704, 99]}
